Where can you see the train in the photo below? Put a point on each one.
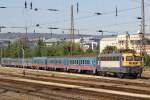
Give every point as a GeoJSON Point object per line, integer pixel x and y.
{"type": "Point", "coordinates": [116, 64]}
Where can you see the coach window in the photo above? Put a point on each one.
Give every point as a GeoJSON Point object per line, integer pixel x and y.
{"type": "Point", "coordinates": [83, 62]}
{"type": "Point", "coordinates": [77, 62]}
{"type": "Point", "coordinates": [87, 62]}
{"type": "Point", "coordinates": [70, 61]}
{"type": "Point", "coordinates": [92, 61]}
{"type": "Point", "coordinates": [59, 61]}
{"type": "Point", "coordinates": [52, 61]}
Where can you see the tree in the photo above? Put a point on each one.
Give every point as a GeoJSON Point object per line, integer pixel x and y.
{"type": "Point", "coordinates": [110, 49]}
{"type": "Point", "coordinates": [40, 50]}
{"type": "Point", "coordinates": [147, 60]}
{"type": "Point", "coordinates": [89, 51]}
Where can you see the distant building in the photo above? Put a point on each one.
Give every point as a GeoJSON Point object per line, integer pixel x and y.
{"type": "Point", "coordinates": [123, 41]}
{"type": "Point", "coordinates": [5, 42]}
{"type": "Point", "coordinates": [109, 41]}
{"type": "Point", "coordinates": [52, 41]}
{"type": "Point", "coordinates": [88, 43]}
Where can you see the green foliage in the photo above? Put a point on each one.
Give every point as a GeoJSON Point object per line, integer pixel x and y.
{"type": "Point", "coordinates": [12, 50]}
{"type": "Point", "coordinates": [89, 51]}
{"type": "Point", "coordinates": [40, 50]}
{"type": "Point", "coordinates": [58, 49]}
{"type": "Point", "coordinates": [147, 60]}
{"type": "Point", "coordinates": [110, 49]}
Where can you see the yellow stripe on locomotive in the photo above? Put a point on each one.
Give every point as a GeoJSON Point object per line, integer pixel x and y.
{"type": "Point", "coordinates": [132, 59]}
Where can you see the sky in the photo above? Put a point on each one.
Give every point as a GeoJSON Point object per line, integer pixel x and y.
{"type": "Point", "coordinates": [85, 20]}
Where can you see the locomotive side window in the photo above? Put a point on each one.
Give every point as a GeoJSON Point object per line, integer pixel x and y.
{"type": "Point", "coordinates": [129, 58]}
{"type": "Point", "coordinates": [138, 58]}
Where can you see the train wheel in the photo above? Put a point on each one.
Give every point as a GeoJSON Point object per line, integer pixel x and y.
{"type": "Point", "coordinates": [135, 75]}
{"type": "Point", "coordinates": [115, 74]}
{"type": "Point", "coordinates": [121, 75]}
{"type": "Point", "coordinates": [103, 73]}
{"type": "Point", "coordinates": [99, 73]}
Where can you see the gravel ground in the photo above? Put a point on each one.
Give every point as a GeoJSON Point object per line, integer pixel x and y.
{"type": "Point", "coordinates": [71, 95]}
{"type": "Point", "coordinates": [10, 95]}
{"type": "Point", "coordinates": [146, 74]}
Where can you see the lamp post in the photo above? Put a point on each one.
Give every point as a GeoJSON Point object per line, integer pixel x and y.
{"type": "Point", "coordinates": [99, 42]}
{"type": "Point", "coordinates": [23, 61]}
{"type": "Point", "coordinates": [1, 54]}
{"type": "Point", "coordinates": [141, 35]}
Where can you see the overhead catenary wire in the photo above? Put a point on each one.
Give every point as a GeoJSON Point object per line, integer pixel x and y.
{"type": "Point", "coordinates": [90, 16]}
{"type": "Point", "coordinates": [94, 15]}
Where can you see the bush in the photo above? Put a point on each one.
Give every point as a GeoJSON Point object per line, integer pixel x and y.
{"type": "Point", "coordinates": [147, 60]}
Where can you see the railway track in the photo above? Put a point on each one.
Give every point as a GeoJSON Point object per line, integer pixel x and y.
{"type": "Point", "coordinates": [94, 84]}
{"type": "Point", "coordinates": [90, 83]}
{"type": "Point", "coordinates": [61, 91]}
{"type": "Point", "coordinates": [49, 92]}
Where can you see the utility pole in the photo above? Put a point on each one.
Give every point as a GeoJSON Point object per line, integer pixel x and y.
{"type": "Point", "coordinates": [142, 35]}
{"type": "Point", "coordinates": [72, 30]}
{"type": "Point", "coordinates": [23, 61]}
{"type": "Point", "coordinates": [26, 37]}
{"type": "Point", "coordinates": [127, 41]}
